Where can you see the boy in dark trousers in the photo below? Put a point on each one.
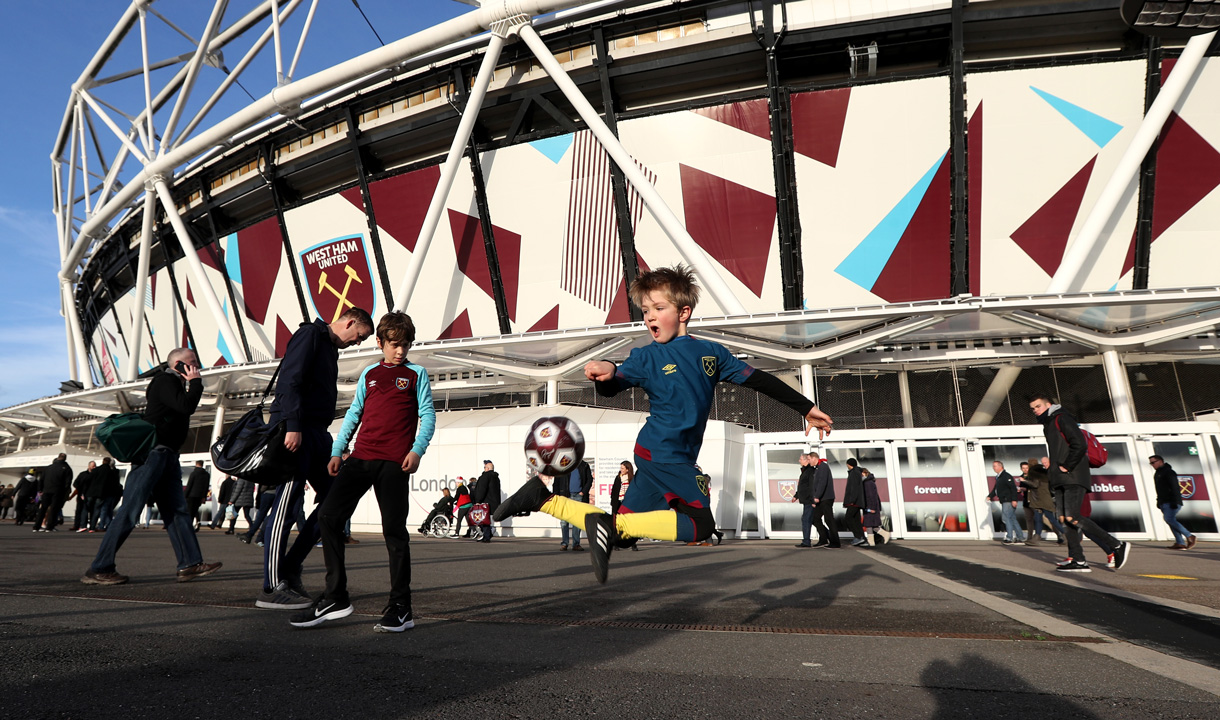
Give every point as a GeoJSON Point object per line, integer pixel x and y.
{"type": "Point", "coordinates": [669, 499]}
{"type": "Point", "coordinates": [393, 409]}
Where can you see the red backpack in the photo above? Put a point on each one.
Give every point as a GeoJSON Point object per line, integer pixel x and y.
{"type": "Point", "coordinates": [1095, 452]}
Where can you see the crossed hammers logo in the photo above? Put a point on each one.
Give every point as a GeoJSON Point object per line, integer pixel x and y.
{"type": "Point", "coordinates": [343, 301]}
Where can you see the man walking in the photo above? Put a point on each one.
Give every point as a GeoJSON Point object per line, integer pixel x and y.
{"type": "Point", "coordinates": [196, 490]}
{"type": "Point", "coordinates": [1169, 500]}
{"type": "Point", "coordinates": [56, 484]}
{"type": "Point", "coordinates": [487, 490]}
{"type": "Point", "coordinates": [853, 503]}
{"type": "Point", "coordinates": [804, 495]}
{"type": "Point", "coordinates": [824, 503]}
{"type": "Point", "coordinates": [305, 398]}
{"type": "Point", "coordinates": [172, 397]}
{"type": "Point", "coordinates": [1005, 492]}
{"type": "Point", "coordinates": [1070, 480]}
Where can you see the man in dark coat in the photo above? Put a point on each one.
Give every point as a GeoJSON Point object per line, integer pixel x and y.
{"type": "Point", "coordinates": [80, 491]}
{"type": "Point", "coordinates": [223, 496]}
{"type": "Point", "coordinates": [577, 486]}
{"type": "Point", "coordinates": [853, 503]}
{"type": "Point", "coordinates": [487, 490]}
{"type": "Point", "coordinates": [196, 490]}
{"type": "Point", "coordinates": [804, 495]}
{"type": "Point", "coordinates": [95, 494]}
{"type": "Point", "coordinates": [112, 489]}
{"type": "Point", "coordinates": [1169, 500]}
{"type": "Point", "coordinates": [1070, 481]}
{"type": "Point", "coordinates": [1005, 492]}
{"type": "Point", "coordinates": [56, 485]}
{"type": "Point", "coordinates": [824, 503]}
{"type": "Point", "coordinates": [26, 489]}
{"type": "Point", "coordinates": [172, 397]}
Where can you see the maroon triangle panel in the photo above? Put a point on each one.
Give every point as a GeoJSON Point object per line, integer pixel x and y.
{"type": "Point", "coordinates": [620, 309]}
{"type": "Point", "coordinates": [1044, 236]}
{"type": "Point", "coordinates": [210, 255]}
{"type": "Point", "coordinates": [974, 159]}
{"type": "Point", "coordinates": [550, 321]}
{"type": "Point", "coordinates": [817, 123]}
{"type": "Point", "coordinates": [260, 248]}
{"type": "Point", "coordinates": [190, 296]}
{"type": "Point", "coordinates": [472, 256]}
{"type": "Point", "coordinates": [459, 328]}
{"type": "Point", "coordinates": [401, 203]}
{"type": "Point", "coordinates": [354, 196]}
{"type": "Point", "coordinates": [282, 335]}
{"type": "Point", "coordinates": [152, 285]}
{"type": "Point", "coordinates": [1129, 262]}
{"type": "Point", "coordinates": [918, 269]}
{"type": "Point", "coordinates": [752, 116]}
{"type": "Point", "coordinates": [220, 361]}
{"type": "Point", "coordinates": [732, 222]}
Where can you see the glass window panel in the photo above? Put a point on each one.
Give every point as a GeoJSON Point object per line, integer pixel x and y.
{"type": "Point", "coordinates": [1114, 495]}
{"type": "Point", "coordinates": [1012, 455]}
{"type": "Point", "coordinates": [933, 490]}
{"type": "Point", "coordinates": [869, 458]}
{"type": "Point", "coordinates": [783, 472]}
{"type": "Point", "coordinates": [749, 506]}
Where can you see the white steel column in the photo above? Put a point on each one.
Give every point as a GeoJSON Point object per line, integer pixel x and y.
{"type": "Point", "coordinates": [85, 376]}
{"type": "Point", "coordinates": [449, 170]}
{"type": "Point", "coordinates": [203, 286]}
{"type": "Point", "coordinates": [690, 250]}
{"type": "Point", "coordinates": [218, 421]}
{"type": "Point", "coordinates": [807, 388]}
{"type": "Point", "coordinates": [996, 393]}
{"type": "Point", "coordinates": [1078, 259]}
{"type": "Point", "coordinates": [904, 397]}
{"type": "Point", "coordinates": [552, 392]}
{"type": "Point", "coordinates": [1120, 387]}
{"type": "Point", "coordinates": [137, 321]}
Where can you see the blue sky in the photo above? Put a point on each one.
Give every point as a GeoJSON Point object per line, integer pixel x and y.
{"type": "Point", "coordinates": [44, 47]}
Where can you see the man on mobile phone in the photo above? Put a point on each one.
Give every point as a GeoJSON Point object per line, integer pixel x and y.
{"type": "Point", "coordinates": [172, 398]}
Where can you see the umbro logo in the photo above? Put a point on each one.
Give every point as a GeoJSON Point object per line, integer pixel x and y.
{"type": "Point", "coordinates": [670, 369]}
{"type": "Point", "coordinates": [372, 383]}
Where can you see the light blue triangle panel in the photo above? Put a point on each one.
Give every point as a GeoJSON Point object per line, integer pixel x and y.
{"type": "Point", "coordinates": [232, 258]}
{"type": "Point", "coordinates": [1100, 130]}
{"type": "Point", "coordinates": [555, 147]}
{"type": "Point", "coordinates": [864, 264]}
{"type": "Point", "coordinates": [221, 345]}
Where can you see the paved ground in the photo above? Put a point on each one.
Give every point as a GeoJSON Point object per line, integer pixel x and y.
{"type": "Point", "coordinates": [516, 629]}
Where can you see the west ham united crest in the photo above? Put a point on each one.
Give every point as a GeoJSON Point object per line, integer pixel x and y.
{"type": "Point", "coordinates": [339, 277]}
{"type": "Point", "coordinates": [787, 489]}
{"type": "Point", "coordinates": [402, 383]}
{"type": "Point", "coordinates": [709, 365]}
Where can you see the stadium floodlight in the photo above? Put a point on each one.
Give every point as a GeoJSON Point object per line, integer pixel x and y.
{"type": "Point", "coordinates": [1172, 19]}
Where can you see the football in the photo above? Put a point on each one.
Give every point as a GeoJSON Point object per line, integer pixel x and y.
{"type": "Point", "coordinates": [554, 445]}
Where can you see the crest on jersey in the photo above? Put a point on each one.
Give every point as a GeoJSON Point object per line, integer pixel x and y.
{"type": "Point", "coordinates": [709, 365]}
{"type": "Point", "coordinates": [402, 383]}
{"type": "Point", "coordinates": [704, 482]}
{"type": "Point", "coordinates": [339, 277]}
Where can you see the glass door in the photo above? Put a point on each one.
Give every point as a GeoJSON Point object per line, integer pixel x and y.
{"type": "Point", "coordinates": [932, 489]}
{"type": "Point", "coordinates": [1187, 456]}
{"type": "Point", "coordinates": [1012, 453]}
{"type": "Point", "coordinates": [782, 473]}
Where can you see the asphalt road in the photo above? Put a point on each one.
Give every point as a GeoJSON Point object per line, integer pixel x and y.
{"type": "Point", "coordinates": [516, 629]}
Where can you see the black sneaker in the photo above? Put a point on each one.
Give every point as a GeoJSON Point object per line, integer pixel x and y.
{"type": "Point", "coordinates": [528, 499]}
{"type": "Point", "coordinates": [1074, 566]}
{"type": "Point", "coordinates": [321, 611]}
{"type": "Point", "coordinates": [1120, 555]}
{"type": "Point", "coordinates": [293, 583]}
{"type": "Point", "coordinates": [602, 537]}
{"type": "Point", "coordinates": [396, 619]}
{"type": "Point", "coordinates": [282, 597]}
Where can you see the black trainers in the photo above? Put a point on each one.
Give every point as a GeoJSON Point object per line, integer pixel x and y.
{"type": "Point", "coordinates": [93, 577]}
{"type": "Point", "coordinates": [197, 570]}
{"type": "Point", "coordinates": [602, 538]}
{"type": "Point", "coordinates": [396, 619]}
{"type": "Point", "coordinates": [1120, 555]}
{"type": "Point", "coordinates": [1074, 566]}
{"type": "Point", "coordinates": [293, 583]}
{"type": "Point", "coordinates": [321, 611]}
{"type": "Point", "coordinates": [528, 499]}
{"type": "Point", "coordinates": [283, 597]}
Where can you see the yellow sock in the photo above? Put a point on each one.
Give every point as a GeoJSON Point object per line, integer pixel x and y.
{"type": "Point", "coordinates": [658, 525]}
{"type": "Point", "coordinates": [568, 510]}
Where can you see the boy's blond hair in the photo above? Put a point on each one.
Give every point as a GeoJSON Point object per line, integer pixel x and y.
{"type": "Point", "coordinates": [677, 282]}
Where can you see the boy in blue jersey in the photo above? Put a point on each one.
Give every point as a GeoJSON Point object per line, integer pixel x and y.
{"type": "Point", "coordinates": [393, 409]}
{"type": "Point", "coordinates": [669, 498]}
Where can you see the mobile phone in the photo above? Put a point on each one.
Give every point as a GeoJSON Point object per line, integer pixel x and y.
{"type": "Point", "coordinates": [180, 367]}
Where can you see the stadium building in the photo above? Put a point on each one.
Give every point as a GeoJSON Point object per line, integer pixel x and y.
{"type": "Point", "coordinates": [915, 211]}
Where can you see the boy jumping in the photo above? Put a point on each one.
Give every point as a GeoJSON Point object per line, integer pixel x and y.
{"type": "Point", "coordinates": [393, 408]}
{"type": "Point", "coordinates": [668, 499]}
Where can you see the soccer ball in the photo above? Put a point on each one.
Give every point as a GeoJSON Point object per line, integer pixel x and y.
{"type": "Point", "coordinates": [554, 445]}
